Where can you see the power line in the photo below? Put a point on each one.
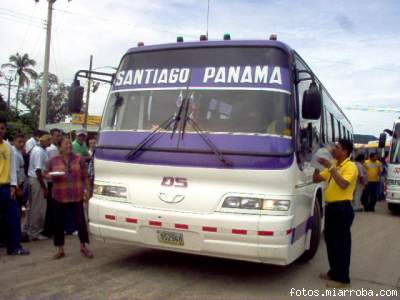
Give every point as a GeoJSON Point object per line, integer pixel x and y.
{"type": "Point", "coordinates": [37, 49]}
{"type": "Point", "coordinates": [109, 20]}
{"type": "Point", "coordinates": [16, 19]}
{"type": "Point", "coordinates": [13, 12]}
{"type": "Point", "coordinates": [54, 59]}
{"type": "Point", "coordinates": [28, 29]}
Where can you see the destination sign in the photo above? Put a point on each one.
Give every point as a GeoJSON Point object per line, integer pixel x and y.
{"type": "Point", "coordinates": [246, 77]}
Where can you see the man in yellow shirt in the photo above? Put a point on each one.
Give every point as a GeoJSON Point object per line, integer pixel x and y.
{"type": "Point", "coordinates": [341, 178]}
{"type": "Point", "coordinates": [9, 209]}
{"type": "Point", "coordinates": [374, 170]}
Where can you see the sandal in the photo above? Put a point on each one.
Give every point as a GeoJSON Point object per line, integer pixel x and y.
{"type": "Point", "coordinates": [59, 255]}
{"type": "Point", "coordinates": [87, 253]}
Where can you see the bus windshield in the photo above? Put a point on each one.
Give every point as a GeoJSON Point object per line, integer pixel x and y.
{"type": "Point", "coordinates": [230, 90]}
{"type": "Point", "coordinates": [395, 148]}
{"type": "Point", "coordinates": [225, 111]}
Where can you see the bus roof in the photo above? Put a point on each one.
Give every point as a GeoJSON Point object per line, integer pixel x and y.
{"type": "Point", "coordinates": [205, 44]}
{"type": "Point", "coordinates": [225, 43]}
{"type": "Point", "coordinates": [371, 145]}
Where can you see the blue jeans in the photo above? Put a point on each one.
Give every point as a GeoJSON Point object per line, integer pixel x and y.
{"type": "Point", "coordinates": [9, 211]}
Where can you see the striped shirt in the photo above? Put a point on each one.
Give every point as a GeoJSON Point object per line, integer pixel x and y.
{"type": "Point", "coordinates": [69, 187]}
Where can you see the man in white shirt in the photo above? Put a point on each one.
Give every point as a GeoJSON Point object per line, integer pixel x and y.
{"type": "Point", "coordinates": [38, 188]}
{"type": "Point", "coordinates": [33, 141]}
{"type": "Point", "coordinates": [56, 136]}
{"type": "Point", "coordinates": [18, 146]}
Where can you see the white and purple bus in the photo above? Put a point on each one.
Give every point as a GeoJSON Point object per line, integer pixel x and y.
{"type": "Point", "coordinates": [205, 148]}
{"type": "Point", "coordinates": [393, 168]}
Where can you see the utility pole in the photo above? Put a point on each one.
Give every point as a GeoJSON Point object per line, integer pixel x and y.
{"type": "Point", "coordinates": [9, 79]}
{"type": "Point", "coordinates": [45, 80]}
{"type": "Point", "coordinates": [88, 93]}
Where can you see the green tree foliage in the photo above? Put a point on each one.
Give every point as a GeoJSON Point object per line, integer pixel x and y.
{"type": "Point", "coordinates": [57, 96]}
{"type": "Point", "coordinates": [22, 65]}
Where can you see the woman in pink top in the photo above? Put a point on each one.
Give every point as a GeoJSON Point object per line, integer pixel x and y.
{"type": "Point", "coordinates": [70, 185]}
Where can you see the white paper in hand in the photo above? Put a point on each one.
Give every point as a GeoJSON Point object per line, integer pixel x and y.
{"type": "Point", "coordinates": [320, 153]}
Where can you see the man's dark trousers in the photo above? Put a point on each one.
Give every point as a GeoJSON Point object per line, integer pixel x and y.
{"type": "Point", "coordinates": [49, 219]}
{"type": "Point", "coordinates": [372, 195]}
{"type": "Point", "coordinates": [9, 211]}
{"type": "Point", "coordinates": [338, 219]}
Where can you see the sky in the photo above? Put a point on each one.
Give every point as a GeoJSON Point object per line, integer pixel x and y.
{"type": "Point", "coordinates": [353, 46]}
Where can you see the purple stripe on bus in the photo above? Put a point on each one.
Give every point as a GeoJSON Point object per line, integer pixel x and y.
{"type": "Point", "coordinates": [224, 142]}
{"type": "Point", "coordinates": [229, 142]}
{"type": "Point", "coordinates": [300, 230]}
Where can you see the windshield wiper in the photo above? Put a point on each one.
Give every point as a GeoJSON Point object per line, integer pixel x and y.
{"type": "Point", "coordinates": [174, 119]}
{"type": "Point", "coordinates": [148, 138]}
{"type": "Point", "coordinates": [178, 117]}
{"type": "Point", "coordinates": [202, 134]}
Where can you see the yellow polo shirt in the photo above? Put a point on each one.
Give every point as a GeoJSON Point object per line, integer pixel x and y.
{"type": "Point", "coordinates": [5, 163]}
{"type": "Point", "coordinates": [373, 170]}
{"type": "Point", "coordinates": [333, 192]}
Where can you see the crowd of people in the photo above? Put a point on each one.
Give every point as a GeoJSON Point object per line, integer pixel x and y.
{"type": "Point", "coordinates": [45, 182]}
{"type": "Point", "coordinates": [370, 185]}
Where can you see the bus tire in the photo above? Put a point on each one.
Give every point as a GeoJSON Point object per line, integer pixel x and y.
{"type": "Point", "coordinates": [394, 208]}
{"type": "Point", "coordinates": [315, 234]}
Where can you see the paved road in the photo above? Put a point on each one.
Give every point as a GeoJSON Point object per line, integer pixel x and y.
{"type": "Point", "coordinates": [121, 271]}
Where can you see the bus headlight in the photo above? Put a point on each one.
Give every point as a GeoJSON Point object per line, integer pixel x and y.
{"type": "Point", "coordinates": [256, 203]}
{"type": "Point", "coordinates": [242, 202]}
{"type": "Point", "coordinates": [279, 205]}
{"type": "Point", "coordinates": [110, 191]}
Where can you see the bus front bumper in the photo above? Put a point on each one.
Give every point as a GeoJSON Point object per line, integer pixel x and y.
{"type": "Point", "coordinates": [266, 239]}
{"type": "Point", "coordinates": [393, 196]}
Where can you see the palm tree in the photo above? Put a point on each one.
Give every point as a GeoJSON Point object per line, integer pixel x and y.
{"type": "Point", "coordinates": [22, 66]}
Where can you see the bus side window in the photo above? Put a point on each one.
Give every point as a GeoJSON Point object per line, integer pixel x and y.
{"type": "Point", "coordinates": [339, 130]}
{"type": "Point", "coordinates": [323, 125]}
{"type": "Point", "coordinates": [333, 127]}
{"type": "Point", "coordinates": [328, 127]}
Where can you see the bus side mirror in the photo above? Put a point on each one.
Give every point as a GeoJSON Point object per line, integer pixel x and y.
{"type": "Point", "coordinates": [389, 132]}
{"type": "Point", "coordinates": [75, 97]}
{"type": "Point", "coordinates": [312, 103]}
{"type": "Point", "coordinates": [382, 140]}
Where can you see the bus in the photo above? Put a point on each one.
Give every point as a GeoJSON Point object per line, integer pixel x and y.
{"type": "Point", "coordinates": [371, 147]}
{"type": "Point", "coordinates": [393, 170]}
{"type": "Point", "coordinates": [205, 148]}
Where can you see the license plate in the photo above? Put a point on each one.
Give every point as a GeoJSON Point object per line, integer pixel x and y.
{"type": "Point", "coordinates": [170, 237]}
